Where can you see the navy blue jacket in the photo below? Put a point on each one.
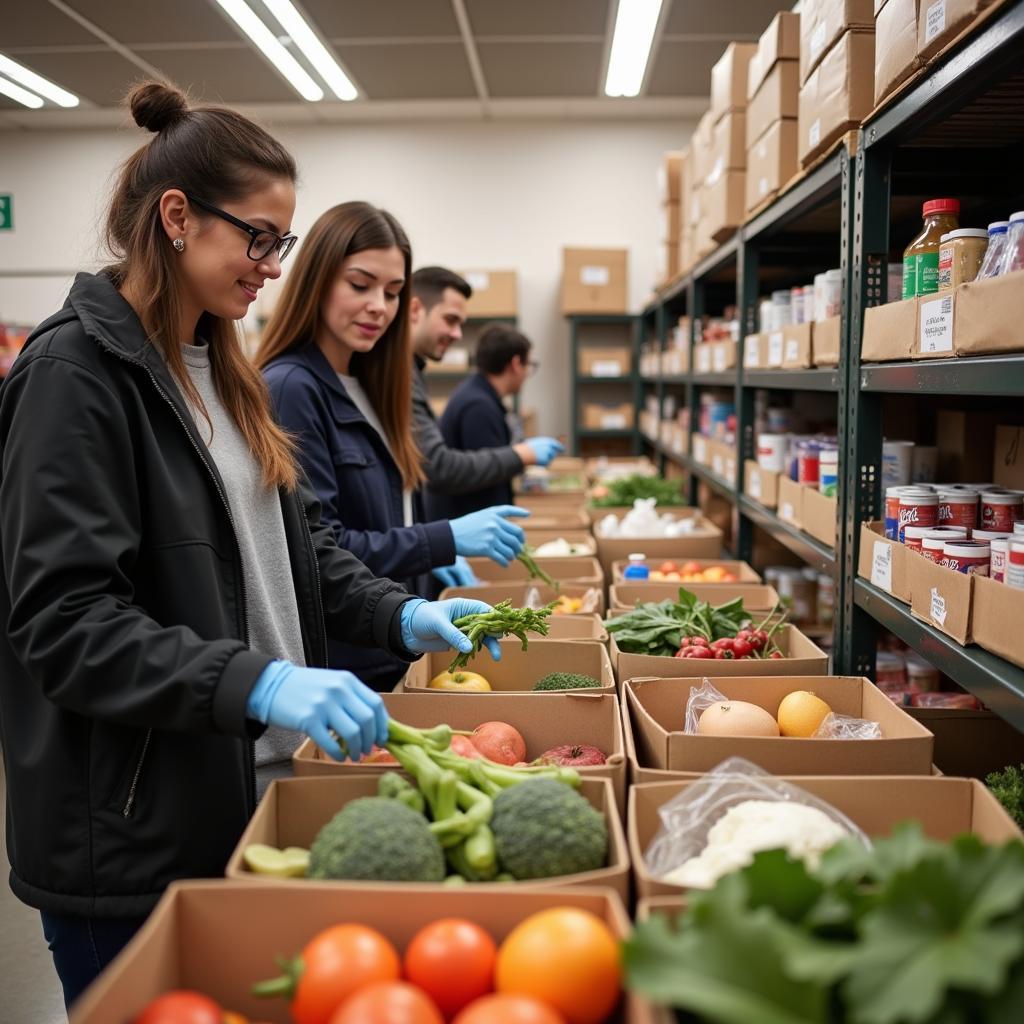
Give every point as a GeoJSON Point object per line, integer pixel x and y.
{"type": "Point", "coordinates": [360, 491]}
{"type": "Point", "coordinates": [474, 418]}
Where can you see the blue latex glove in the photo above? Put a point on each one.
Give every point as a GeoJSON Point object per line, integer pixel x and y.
{"type": "Point", "coordinates": [316, 700]}
{"type": "Point", "coordinates": [545, 448]}
{"type": "Point", "coordinates": [489, 533]}
{"type": "Point", "coordinates": [427, 626]}
{"type": "Point", "coordinates": [457, 575]}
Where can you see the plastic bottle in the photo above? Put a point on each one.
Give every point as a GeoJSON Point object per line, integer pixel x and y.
{"type": "Point", "coordinates": [637, 568]}
{"type": "Point", "coordinates": [1013, 254]}
{"type": "Point", "coordinates": [996, 247]}
{"type": "Point", "coordinates": [921, 257]}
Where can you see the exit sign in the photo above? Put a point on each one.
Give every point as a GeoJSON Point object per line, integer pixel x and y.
{"type": "Point", "coordinates": [6, 212]}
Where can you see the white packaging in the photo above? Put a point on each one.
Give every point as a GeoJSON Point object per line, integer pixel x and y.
{"type": "Point", "coordinates": [897, 463]}
{"type": "Point", "coordinates": [771, 451]}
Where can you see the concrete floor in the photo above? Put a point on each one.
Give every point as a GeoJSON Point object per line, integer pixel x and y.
{"type": "Point", "coordinates": [31, 991]}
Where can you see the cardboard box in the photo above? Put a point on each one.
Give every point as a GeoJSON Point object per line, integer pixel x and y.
{"type": "Point", "coordinates": [519, 593]}
{"type": "Point", "coordinates": [838, 95]}
{"type": "Point", "coordinates": [970, 743]}
{"type": "Point", "coordinates": [726, 199]}
{"type": "Point", "coordinates": [822, 22]}
{"type": "Point", "coordinates": [895, 45]}
{"type": "Point", "coordinates": [755, 349]}
{"type": "Point", "coordinates": [518, 670]}
{"type": "Point", "coordinates": [729, 146]}
{"type": "Point", "coordinates": [777, 98]}
{"type": "Point", "coordinates": [988, 315]}
{"type": "Point", "coordinates": [771, 163]}
{"type": "Point", "coordinates": [945, 808]}
{"type": "Point", "coordinates": [705, 541]}
{"type": "Point", "coordinates": [780, 41]}
{"type": "Point", "coordinates": [803, 658]}
{"type": "Point", "coordinates": [936, 317]}
{"type": "Point", "coordinates": [576, 535]}
{"type": "Point", "coordinates": [890, 332]}
{"type": "Point", "coordinates": [1008, 461]}
{"type": "Point", "coordinates": [996, 619]}
{"type": "Point", "coordinates": [700, 156]}
{"type": "Point", "coordinates": [941, 597]}
{"type": "Point", "coordinates": [819, 516]}
{"type": "Point", "coordinates": [216, 937]}
{"type": "Point", "coordinates": [670, 176]}
{"type": "Point", "coordinates": [724, 355]}
{"type": "Point", "coordinates": [825, 342]}
{"type": "Point", "coordinates": [775, 348]}
{"type": "Point", "coordinates": [595, 281]}
{"type": "Point", "coordinates": [883, 562]}
{"type": "Point", "coordinates": [624, 597]}
{"type": "Point", "coordinates": [551, 526]}
{"type": "Point", "coordinates": [796, 347]}
{"type": "Point", "coordinates": [702, 356]}
{"type": "Point", "coordinates": [729, 79]}
{"type": "Point", "coordinates": [791, 501]}
{"type": "Point", "coordinates": [667, 266]}
{"type": "Point", "coordinates": [565, 570]}
{"type": "Point", "coordinates": [495, 293]}
{"type": "Point", "coordinates": [605, 361]}
{"type": "Point", "coordinates": [606, 416]}
{"type": "Point", "coordinates": [589, 627]}
{"type": "Point", "coordinates": [671, 222]}
{"type": "Point", "coordinates": [760, 484]}
{"type": "Point", "coordinates": [741, 570]}
{"type": "Point", "coordinates": [553, 503]}
{"type": "Point", "coordinates": [940, 21]}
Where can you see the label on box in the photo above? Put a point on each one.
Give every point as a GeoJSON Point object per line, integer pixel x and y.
{"type": "Point", "coordinates": [716, 172]}
{"type": "Point", "coordinates": [720, 358]}
{"type": "Point", "coordinates": [881, 566]}
{"type": "Point", "coordinates": [818, 40]}
{"type": "Point", "coordinates": [937, 325]}
{"type": "Point", "coordinates": [762, 187]}
{"type": "Point", "coordinates": [700, 448]}
{"type": "Point", "coordinates": [755, 484]}
{"type": "Point", "coordinates": [814, 133]}
{"type": "Point", "coordinates": [613, 421]}
{"type": "Point", "coordinates": [935, 21]}
{"type": "Point", "coordinates": [606, 368]}
{"type": "Point", "coordinates": [792, 350]}
{"type": "Point", "coordinates": [595, 276]}
{"type": "Point", "coordinates": [478, 280]}
{"type": "Point", "coordinates": [786, 511]}
{"type": "Point", "coordinates": [775, 349]}
{"type": "Point", "coordinates": [703, 359]}
{"type": "Point", "coordinates": [751, 352]}
{"type": "Point", "coordinates": [938, 608]}
{"type": "Point", "coordinates": [695, 209]}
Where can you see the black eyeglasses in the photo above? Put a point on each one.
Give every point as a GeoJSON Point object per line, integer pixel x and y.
{"type": "Point", "coordinates": [262, 241]}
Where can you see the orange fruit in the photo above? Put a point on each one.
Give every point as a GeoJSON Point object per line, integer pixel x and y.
{"type": "Point", "coordinates": [801, 713]}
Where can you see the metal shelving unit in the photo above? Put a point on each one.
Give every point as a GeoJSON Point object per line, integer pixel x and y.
{"type": "Point", "coordinates": [793, 380]}
{"type": "Point", "coordinates": [1001, 376]}
{"type": "Point", "coordinates": [804, 546]}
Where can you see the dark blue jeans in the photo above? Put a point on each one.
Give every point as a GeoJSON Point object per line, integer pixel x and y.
{"type": "Point", "coordinates": [83, 946]}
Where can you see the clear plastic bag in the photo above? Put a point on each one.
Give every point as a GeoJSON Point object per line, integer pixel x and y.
{"type": "Point", "coordinates": [844, 727]}
{"type": "Point", "coordinates": [591, 600]}
{"type": "Point", "coordinates": [700, 699]}
{"type": "Point", "coordinates": [687, 819]}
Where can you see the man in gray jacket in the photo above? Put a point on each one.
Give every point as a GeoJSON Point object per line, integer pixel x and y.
{"type": "Point", "coordinates": [436, 315]}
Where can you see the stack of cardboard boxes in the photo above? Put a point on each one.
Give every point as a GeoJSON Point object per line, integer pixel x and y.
{"type": "Point", "coordinates": [670, 185]}
{"type": "Point", "coordinates": [773, 92]}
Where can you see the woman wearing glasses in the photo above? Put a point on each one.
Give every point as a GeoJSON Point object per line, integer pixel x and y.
{"type": "Point", "coordinates": [167, 583]}
{"type": "Point", "coordinates": [336, 354]}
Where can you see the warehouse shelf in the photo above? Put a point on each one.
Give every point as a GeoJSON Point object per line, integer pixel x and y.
{"type": "Point", "coordinates": [595, 433]}
{"type": "Point", "coordinates": [591, 379]}
{"type": "Point", "coordinates": [676, 378]}
{"type": "Point", "coordinates": [985, 375]}
{"type": "Point", "coordinates": [993, 680]}
{"type": "Point", "coordinates": [803, 545]}
{"type": "Point", "coordinates": [717, 483]}
{"type": "Point", "coordinates": [793, 380]}
{"type": "Point", "coordinates": [727, 252]}
{"type": "Point", "coordinates": [726, 378]}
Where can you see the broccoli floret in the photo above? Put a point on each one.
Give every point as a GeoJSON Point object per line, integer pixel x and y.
{"type": "Point", "coordinates": [377, 839]}
{"type": "Point", "coordinates": [1008, 788]}
{"type": "Point", "coordinates": [544, 828]}
{"type": "Point", "coordinates": [566, 681]}
{"type": "Point", "coordinates": [392, 786]}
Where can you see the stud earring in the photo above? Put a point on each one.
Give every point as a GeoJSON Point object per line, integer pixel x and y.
{"type": "Point", "coordinates": [179, 244]}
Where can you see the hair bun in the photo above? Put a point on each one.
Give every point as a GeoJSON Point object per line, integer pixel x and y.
{"type": "Point", "coordinates": [155, 105]}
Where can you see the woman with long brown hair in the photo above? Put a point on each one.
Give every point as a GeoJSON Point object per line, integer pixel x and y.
{"type": "Point", "coordinates": [167, 584]}
{"type": "Point", "coordinates": [336, 355]}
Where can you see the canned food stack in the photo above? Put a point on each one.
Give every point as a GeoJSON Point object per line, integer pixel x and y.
{"type": "Point", "coordinates": [820, 300]}
{"type": "Point", "coordinates": [811, 461]}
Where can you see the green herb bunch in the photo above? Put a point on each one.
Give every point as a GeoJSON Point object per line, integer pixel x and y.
{"type": "Point", "coordinates": [625, 490]}
{"type": "Point", "coordinates": [1008, 788]}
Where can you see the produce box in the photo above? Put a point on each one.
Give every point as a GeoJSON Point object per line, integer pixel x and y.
{"type": "Point", "coordinates": [591, 596]}
{"type": "Point", "coordinates": [518, 670]}
{"type": "Point", "coordinates": [883, 562]}
{"type": "Point", "coordinates": [577, 627]}
{"type": "Point", "coordinates": [293, 810]}
{"type": "Point", "coordinates": [741, 570]}
{"type": "Point", "coordinates": [756, 597]}
{"type": "Point", "coordinates": [544, 720]}
{"type": "Point", "coordinates": [551, 503]}
{"type": "Point", "coordinates": [803, 658]}
{"type": "Point", "coordinates": [554, 521]}
{"type": "Point", "coordinates": [220, 937]}
{"type": "Point", "coordinates": [657, 712]}
{"type": "Point", "coordinates": [945, 808]}
{"type": "Point", "coordinates": [563, 464]}
{"type": "Point", "coordinates": [565, 570]}
{"type": "Point", "coordinates": [574, 535]}
{"type": "Point", "coordinates": [705, 541]}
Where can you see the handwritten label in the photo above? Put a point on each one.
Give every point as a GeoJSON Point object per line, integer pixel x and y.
{"type": "Point", "coordinates": [754, 484]}
{"type": "Point", "coordinates": [751, 351]}
{"type": "Point", "coordinates": [935, 21]}
{"type": "Point", "coordinates": [938, 608]}
{"type": "Point", "coordinates": [881, 566]}
{"type": "Point", "coordinates": [594, 276]}
{"type": "Point", "coordinates": [721, 357]}
{"type": "Point", "coordinates": [613, 421]}
{"type": "Point", "coordinates": [792, 351]}
{"type": "Point", "coordinates": [814, 134]}
{"type": "Point", "coordinates": [775, 349]}
{"type": "Point", "coordinates": [936, 325]}
{"type": "Point", "coordinates": [762, 187]}
{"type": "Point", "coordinates": [786, 512]}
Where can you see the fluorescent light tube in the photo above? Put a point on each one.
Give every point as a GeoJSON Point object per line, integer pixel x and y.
{"type": "Point", "coordinates": [635, 23]}
{"type": "Point", "coordinates": [314, 51]}
{"type": "Point", "coordinates": [244, 17]}
{"type": "Point", "coordinates": [23, 96]}
{"type": "Point", "coordinates": [41, 85]}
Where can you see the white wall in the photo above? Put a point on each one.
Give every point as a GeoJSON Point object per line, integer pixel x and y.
{"type": "Point", "coordinates": [493, 195]}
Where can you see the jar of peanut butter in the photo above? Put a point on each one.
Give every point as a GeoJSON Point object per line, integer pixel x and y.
{"type": "Point", "coordinates": [961, 253]}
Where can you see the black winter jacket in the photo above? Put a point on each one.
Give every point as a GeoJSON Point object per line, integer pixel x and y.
{"type": "Point", "coordinates": [125, 669]}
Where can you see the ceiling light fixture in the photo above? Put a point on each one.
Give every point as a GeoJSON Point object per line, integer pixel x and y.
{"type": "Point", "coordinates": [41, 85]}
{"type": "Point", "coordinates": [244, 17]}
{"type": "Point", "coordinates": [314, 51]}
{"type": "Point", "coordinates": [635, 23]}
{"type": "Point", "coordinates": [23, 96]}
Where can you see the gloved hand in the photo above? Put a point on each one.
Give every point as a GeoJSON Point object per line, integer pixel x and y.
{"type": "Point", "coordinates": [545, 448]}
{"type": "Point", "coordinates": [489, 532]}
{"type": "Point", "coordinates": [427, 626]}
{"type": "Point", "coordinates": [457, 575]}
{"type": "Point", "coordinates": [315, 700]}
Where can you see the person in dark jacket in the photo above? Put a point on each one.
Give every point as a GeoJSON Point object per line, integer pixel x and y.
{"type": "Point", "coordinates": [168, 587]}
{"type": "Point", "coordinates": [335, 354]}
{"type": "Point", "coordinates": [437, 313]}
{"type": "Point", "coordinates": [476, 418]}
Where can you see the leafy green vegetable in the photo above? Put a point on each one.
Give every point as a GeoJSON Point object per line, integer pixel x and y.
{"type": "Point", "coordinates": [625, 490]}
{"type": "Point", "coordinates": [1008, 788]}
{"type": "Point", "coordinates": [501, 620]}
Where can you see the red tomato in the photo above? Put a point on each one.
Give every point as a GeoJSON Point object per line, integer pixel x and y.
{"type": "Point", "coordinates": [509, 1009]}
{"type": "Point", "coordinates": [338, 963]}
{"type": "Point", "coordinates": [182, 1007]}
{"type": "Point", "coordinates": [452, 960]}
{"type": "Point", "coordinates": [391, 1002]}
{"type": "Point", "coordinates": [667, 567]}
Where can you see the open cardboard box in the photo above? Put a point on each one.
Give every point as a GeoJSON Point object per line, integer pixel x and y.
{"type": "Point", "coordinates": [825, 342]}
{"type": "Point", "coordinates": [574, 535]}
{"type": "Point", "coordinates": [940, 596]}
{"type": "Point", "coordinates": [577, 627]}
{"type": "Point", "coordinates": [544, 720]}
{"type": "Point", "coordinates": [218, 937]}
{"type": "Point", "coordinates": [883, 562]}
{"type": "Point", "coordinates": [761, 484]}
{"type": "Point", "coordinates": [741, 570]}
{"type": "Point", "coordinates": [890, 332]}
{"type": "Point", "coordinates": [945, 807]}
{"type": "Point", "coordinates": [755, 351]}
{"type": "Point", "coordinates": [705, 541]}
{"type": "Point", "coordinates": [591, 594]}
{"type": "Point", "coordinates": [623, 597]}
{"type": "Point", "coordinates": [803, 658]}
{"type": "Point", "coordinates": [567, 570]}
{"type": "Point", "coordinates": [552, 503]}
{"type": "Point", "coordinates": [554, 522]}
{"type": "Point", "coordinates": [518, 670]}
{"type": "Point", "coordinates": [819, 516]}
{"type": "Point", "coordinates": [796, 350]}
{"type": "Point", "coordinates": [988, 314]}
{"type": "Point", "coordinates": [791, 501]}
{"type": "Point", "coordinates": [657, 710]}
{"type": "Point", "coordinates": [293, 811]}
{"type": "Point", "coordinates": [996, 619]}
